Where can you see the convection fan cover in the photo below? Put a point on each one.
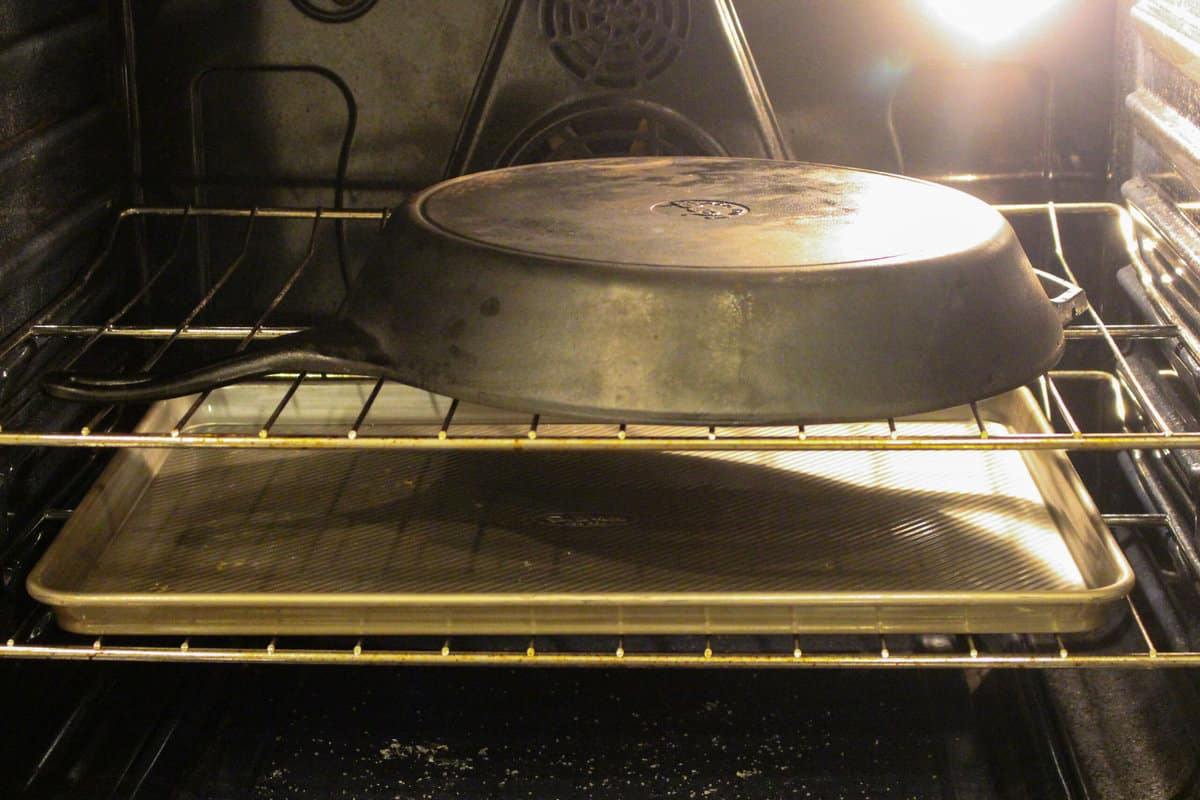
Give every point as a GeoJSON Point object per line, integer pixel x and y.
{"type": "Point", "coordinates": [608, 127]}
{"type": "Point", "coordinates": [677, 69]}
{"type": "Point", "coordinates": [619, 45]}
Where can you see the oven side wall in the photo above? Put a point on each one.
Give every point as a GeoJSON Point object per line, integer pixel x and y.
{"type": "Point", "coordinates": [63, 169]}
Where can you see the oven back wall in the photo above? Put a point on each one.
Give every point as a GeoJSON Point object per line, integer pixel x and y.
{"type": "Point", "coordinates": [249, 103]}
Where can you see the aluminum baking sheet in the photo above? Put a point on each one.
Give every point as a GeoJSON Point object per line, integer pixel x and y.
{"type": "Point", "coordinates": [184, 541]}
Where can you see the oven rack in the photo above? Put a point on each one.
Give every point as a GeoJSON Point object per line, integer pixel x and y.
{"type": "Point", "coordinates": [38, 637]}
{"type": "Point", "coordinates": [100, 430]}
{"type": "Point", "coordinates": [1140, 425]}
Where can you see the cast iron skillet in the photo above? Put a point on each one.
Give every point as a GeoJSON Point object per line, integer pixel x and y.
{"type": "Point", "coordinates": [709, 290]}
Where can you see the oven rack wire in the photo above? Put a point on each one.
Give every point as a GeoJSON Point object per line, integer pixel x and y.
{"type": "Point", "coordinates": [100, 431]}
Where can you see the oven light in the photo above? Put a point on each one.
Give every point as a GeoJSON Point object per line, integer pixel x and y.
{"type": "Point", "coordinates": [989, 22]}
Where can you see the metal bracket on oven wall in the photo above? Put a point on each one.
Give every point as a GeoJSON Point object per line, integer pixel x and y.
{"type": "Point", "coordinates": [1186, 366]}
{"type": "Point", "coordinates": [1158, 223]}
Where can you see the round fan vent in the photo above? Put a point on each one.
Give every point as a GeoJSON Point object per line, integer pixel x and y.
{"type": "Point", "coordinates": [619, 44]}
{"type": "Point", "coordinates": [334, 10]}
{"type": "Point", "coordinates": [599, 128]}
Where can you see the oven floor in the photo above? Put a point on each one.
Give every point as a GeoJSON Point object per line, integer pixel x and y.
{"type": "Point", "coordinates": [163, 731]}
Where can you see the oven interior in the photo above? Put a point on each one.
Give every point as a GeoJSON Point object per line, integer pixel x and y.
{"type": "Point", "coordinates": [179, 178]}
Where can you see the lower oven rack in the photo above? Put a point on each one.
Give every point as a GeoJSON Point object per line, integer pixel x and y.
{"type": "Point", "coordinates": [37, 637]}
{"type": "Point", "coordinates": [1141, 426]}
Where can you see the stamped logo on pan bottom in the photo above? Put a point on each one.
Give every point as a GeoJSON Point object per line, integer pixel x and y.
{"type": "Point", "coordinates": [700, 209]}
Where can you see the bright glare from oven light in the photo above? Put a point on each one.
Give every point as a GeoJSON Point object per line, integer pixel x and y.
{"type": "Point", "coordinates": [989, 22]}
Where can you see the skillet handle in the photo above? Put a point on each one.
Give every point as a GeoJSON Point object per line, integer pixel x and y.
{"type": "Point", "coordinates": [1071, 300]}
{"type": "Point", "coordinates": [340, 347]}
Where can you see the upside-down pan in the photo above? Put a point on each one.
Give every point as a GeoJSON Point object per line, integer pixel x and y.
{"type": "Point", "coordinates": [713, 290]}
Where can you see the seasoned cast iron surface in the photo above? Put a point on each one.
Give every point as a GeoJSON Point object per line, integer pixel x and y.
{"type": "Point", "coordinates": [739, 215]}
